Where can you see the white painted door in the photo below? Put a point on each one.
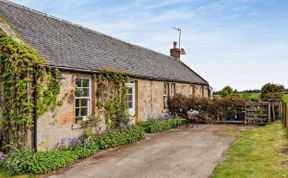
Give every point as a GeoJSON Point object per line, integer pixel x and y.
{"type": "Point", "coordinates": [130, 97]}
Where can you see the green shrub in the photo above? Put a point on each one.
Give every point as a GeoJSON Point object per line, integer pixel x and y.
{"type": "Point", "coordinates": [160, 125]}
{"type": "Point", "coordinates": [24, 161]}
{"type": "Point", "coordinates": [119, 137]}
{"type": "Point", "coordinates": [216, 107]}
{"type": "Point", "coordinates": [83, 152]}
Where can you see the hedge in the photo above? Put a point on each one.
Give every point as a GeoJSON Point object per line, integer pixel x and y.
{"type": "Point", "coordinates": [160, 125]}
{"type": "Point", "coordinates": [24, 161]}
{"type": "Point", "coordinates": [216, 107]}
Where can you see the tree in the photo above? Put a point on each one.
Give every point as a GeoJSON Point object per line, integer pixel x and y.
{"type": "Point", "coordinates": [227, 91]}
{"type": "Point", "coordinates": [271, 91]}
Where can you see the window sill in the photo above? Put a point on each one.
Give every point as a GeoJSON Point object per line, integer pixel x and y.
{"type": "Point", "coordinates": [77, 125]}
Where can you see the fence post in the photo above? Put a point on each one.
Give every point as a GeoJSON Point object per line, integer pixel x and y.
{"type": "Point", "coordinates": [269, 112]}
{"type": "Point", "coordinates": [283, 114]}
{"type": "Point", "coordinates": [286, 114]}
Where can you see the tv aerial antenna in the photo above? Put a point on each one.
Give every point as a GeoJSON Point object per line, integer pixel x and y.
{"type": "Point", "coordinates": [182, 50]}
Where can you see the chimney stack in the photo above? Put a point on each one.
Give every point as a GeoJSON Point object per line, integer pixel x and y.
{"type": "Point", "coordinates": [175, 52]}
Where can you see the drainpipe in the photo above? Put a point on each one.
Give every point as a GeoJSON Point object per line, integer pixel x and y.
{"type": "Point", "coordinates": [34, 142]}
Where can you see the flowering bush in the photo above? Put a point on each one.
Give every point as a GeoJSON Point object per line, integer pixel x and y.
{"type": "Point", "coordinates": [164, 115]}
{"type": "Point", "coordinates": [2, 155]}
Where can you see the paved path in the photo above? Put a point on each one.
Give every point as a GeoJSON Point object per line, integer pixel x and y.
{"type": "Point", "coordinates": [181, 152]}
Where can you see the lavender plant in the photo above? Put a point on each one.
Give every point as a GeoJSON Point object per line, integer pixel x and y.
{"type": "Point", "coordinates": [2, 155]}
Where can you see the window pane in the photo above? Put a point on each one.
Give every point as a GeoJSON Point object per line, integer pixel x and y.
{"type": "Point", "coordinates": [77, 112]}
{"type": "Point", "coordinates": [84, 102]}
{"type": "Point", "coordinates": [85, 83]}
{"type": "Point", "coordinates": [130, 98]}
{"type": "Point", "coordinates": [165, 102]}
{"type": "Point", "coordinates": [130, 104]}
{"type": "Point", "coordinates": [84, 111]}
{"type": "Point", "coordinates": [129, 91]}
{"type": "Point", "coordinates": [78, 82]}
{"type": "Point", "coordinates": [165, 88]}
{"type": "Point", "coordinates": [85, 92]}
{"type": "Point", "coordinates": [77, 103]}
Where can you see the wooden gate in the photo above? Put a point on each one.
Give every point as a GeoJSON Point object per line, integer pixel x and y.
{"type": "Point", "coordinates": [264, 112]}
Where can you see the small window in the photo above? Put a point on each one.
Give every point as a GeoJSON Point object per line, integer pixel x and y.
{"type": "Point", "coordinates": [83, 98]}
{"type": "Point", "coordinates": [129, 97]}
{"type": "Point", "coordinates": [165, 95]}
{"type": "Point", "coordinates": [172, 90]}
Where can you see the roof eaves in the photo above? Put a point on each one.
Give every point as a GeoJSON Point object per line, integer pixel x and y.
{"type": "Point", "coordinates": [135, 76]}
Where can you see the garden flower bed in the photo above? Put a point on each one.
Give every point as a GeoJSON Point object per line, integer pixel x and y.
{"type": "Point", "coordinates": [26, 162]}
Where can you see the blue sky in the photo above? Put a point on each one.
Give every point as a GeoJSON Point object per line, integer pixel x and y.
{"type": "Point", "coordinates": [241, 43]}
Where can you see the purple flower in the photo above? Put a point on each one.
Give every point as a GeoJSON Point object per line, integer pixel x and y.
{"type": "Point", "coordinates": [59, 144]}
{"type": "Point", "coordinates": [162, 116]}
{"type": "Point", "coordinates": [62, 141]}
{"type": "Point", "coordinates": [2, 155]}
{"type": "Point", "coordinates": [73, 141]}
{"type": "Point", "coordinates": [122, 126]}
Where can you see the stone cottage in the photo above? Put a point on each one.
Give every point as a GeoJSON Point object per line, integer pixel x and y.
{"type": "Point", "coordinates": [80, 53]}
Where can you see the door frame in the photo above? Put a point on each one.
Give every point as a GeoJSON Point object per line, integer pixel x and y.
{"type": "Point", "coordinates": [132, 111]}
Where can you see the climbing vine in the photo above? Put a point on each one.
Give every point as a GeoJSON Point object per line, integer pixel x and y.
{"type": "Point", "coordinates": [111, 95]}
{"type": "Point", "coordinates": [19, 64]}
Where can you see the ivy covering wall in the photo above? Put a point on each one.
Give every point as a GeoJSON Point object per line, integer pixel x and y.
{"type": "Point", "coordinates": [19, 64]}
{"type": "Point", "coordinates": [111, 96]}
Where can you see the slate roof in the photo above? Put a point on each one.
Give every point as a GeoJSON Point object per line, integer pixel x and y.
{"type": "Point", "coordinates": [73, 47]}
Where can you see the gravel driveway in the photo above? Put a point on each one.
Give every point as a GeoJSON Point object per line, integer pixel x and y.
{"type": "Point", "coordinates": [181, 152]}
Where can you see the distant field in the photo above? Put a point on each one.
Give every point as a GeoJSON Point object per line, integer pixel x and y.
{"type": "Point", "coordinates": [285, 97]}
{"type": "Point", "coordinates": [256, 96]}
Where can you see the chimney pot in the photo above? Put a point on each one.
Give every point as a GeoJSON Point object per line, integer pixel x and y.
{"type": "Point", "coordinates": [174, 44]}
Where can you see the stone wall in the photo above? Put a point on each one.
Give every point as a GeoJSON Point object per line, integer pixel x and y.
{"type": "Point", "coordinates": [61, 123]}
{"type": "Point", "coordinates": [56, 125]}
{"type": "Point", "coordinates": [150, 96]}
{"type": "Point", "coordinates": [150, 99]}
{"type": "Point", "coordinates": [184, 89]}
{"type": "Point", "coordinates": [206, 91]}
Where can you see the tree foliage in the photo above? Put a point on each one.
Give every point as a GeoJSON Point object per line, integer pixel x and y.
{"type": "Point", "coordinates": [19, 63]}
{"type": "Point", "coordinates": [271, 91]}
{"type": "Point", "coordinates": [227, 91]}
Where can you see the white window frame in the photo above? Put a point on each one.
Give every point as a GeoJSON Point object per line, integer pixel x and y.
{"type": "Point", "coordinates": [172, 89]}
{"type": "Point", "coordinates": [89, 98]}
{"type": "Point", "coordinates": [165, 95]}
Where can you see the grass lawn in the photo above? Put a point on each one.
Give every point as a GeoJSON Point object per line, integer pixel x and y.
{"type": "Point", "coordinates": [285, 97]}
{"type": "Point", "coordinates": [257, 153]}
{"type": "Point", "coordinates": [4, 174]}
